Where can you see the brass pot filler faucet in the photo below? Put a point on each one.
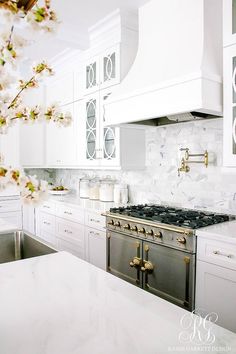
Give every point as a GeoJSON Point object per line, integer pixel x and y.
{"type": "Point", "coordinates": [185, 161]}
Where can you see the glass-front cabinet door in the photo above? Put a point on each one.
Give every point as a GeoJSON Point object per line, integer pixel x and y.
{"type": "Point", "coordinates": [110, 67]}
{"type": "Point", "coordinates": [92, 129]}
{"type": "Point", "coordinates": [92, 75]}
{"type": "Point", "coordinates": [229, 20]}
{"type": "Point", "coordinates": [109, 136]}
{"type": "Point", "coordinates": [230, 106]}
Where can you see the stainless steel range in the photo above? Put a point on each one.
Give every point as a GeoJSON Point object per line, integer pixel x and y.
{"type": "Point", "coordinates": [154, 247]}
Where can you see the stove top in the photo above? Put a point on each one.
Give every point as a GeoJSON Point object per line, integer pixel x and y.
{"type": "Point", "coordinates": [192, 219]}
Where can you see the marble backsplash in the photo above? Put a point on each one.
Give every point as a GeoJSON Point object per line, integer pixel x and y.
{"type": "Point", "coordinates": [213, 188]}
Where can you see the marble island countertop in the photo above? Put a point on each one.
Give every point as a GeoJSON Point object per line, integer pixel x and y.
{"type": "Point", "coordinates": [225, 231]}
{"type": "Point", "coordinates": [58, 304]}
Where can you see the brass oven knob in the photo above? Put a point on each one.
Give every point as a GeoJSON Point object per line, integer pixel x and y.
{"type": "Point", "coordinates": [134, 228]}
{"type": "Point", "coordinates": [141, 231]}
{"type": "Point", "coordinates": [111, 222]}
{"type": "Point", "coordinates": [149, 233]}
{"type": "Point", "coordinates": [158, 234]}
{"type": "Point", "coordinates": [147, 266]}
{"type": "Point", "coordinates": [135, 262]}
{"type": "Point", "coordinates": [117, 223]}
{"type": "Point", "coordinates": [126, 226]}
{"type": "Point", "coordinates": [181, 240]}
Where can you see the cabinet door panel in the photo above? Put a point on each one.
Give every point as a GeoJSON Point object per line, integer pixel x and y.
{"type": "Point", "coordinates": [230, 106]}
{"type": "Point", "coordinates": [110, 67]}
{"type": "Point", "coordinates": [61, 142]}
{"type": "Point", "coordinates": [61, 89]}
{"type": "Point", "coordinates": [91, 75]}
{"type": "Point", "coordinates": [96, 247]}
{"type": "Point", "coordinates": [216, 292]}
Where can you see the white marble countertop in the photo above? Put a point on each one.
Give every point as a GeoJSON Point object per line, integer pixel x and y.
{"type": "Point", "coordinates": [84, 203]}
{"type": "Point", "coordinates": [58, 304]}
{"type": "Point", "coordinates": [225, 231]}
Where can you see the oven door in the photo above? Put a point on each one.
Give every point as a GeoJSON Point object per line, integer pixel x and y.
{"type": "Point", "coordinates": [124, 257]}
{"type": "Point", "coordinates": [169, 273]}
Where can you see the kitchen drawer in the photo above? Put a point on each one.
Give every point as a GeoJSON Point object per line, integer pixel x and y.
{"type": "Point", "coordinates": [95, 220]}
{"type": "Point", "coordinates": [71, 247]}
{"type": "Point", "coordinates": [48, 207]}
{"type": "Point", "coordinates": [13, 218]}
{"type": "Point", "coordinates": [47, 223]}
{"type": "Point", "coordinates": [70, 231]}
{"type": "Point", "coordinates": [48, 237]}
{"type": "Point", "coordinates": [215, 252]}
{"type": "Point", "coordinates": [9, 206]}
{"type": "Point", "coordinates": [70, 213]}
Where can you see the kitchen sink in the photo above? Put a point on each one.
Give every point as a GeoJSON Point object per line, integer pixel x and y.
{"type": "Point", "coordinates": [20, 245]}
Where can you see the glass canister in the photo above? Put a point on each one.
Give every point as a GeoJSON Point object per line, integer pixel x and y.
{"type": "Point", "coordinates": [84, 187]}
{"type": "Point", "coordinates": [94, 189]}
{"type": "Point", "coordinates": [107, 189]}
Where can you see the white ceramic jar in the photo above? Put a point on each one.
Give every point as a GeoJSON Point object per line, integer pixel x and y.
{"type": "Point", "coordinates": [107, 190]}
{"type": "Point", "coordinates": [84, 189]}
{"type": "Point", "coordinates": [94, 189]}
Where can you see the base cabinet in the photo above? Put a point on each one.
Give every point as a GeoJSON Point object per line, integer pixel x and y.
{"type": "Point", "coordinates": [216, 281]}
{"type": "Point", "coordinates": [11, 212]}
{"type": "Point", "coordinates": [96, 247]}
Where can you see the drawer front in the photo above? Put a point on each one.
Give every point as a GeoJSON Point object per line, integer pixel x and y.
{"type": "Point", "coordinates": [219, 253]}
{"type": "Point", "coordinates": [48, 207]}
{"type": "Point", "coordinates": [73, 248]}
{"type": "Point", "coordinates": [70, 213]}
{"type": "Point", "coordinates": [48, 237]}
{"type": "Point", "coordinates": [48, 223]}
{"type": "Point", "coordinates": [13, 218]}
{"type": "Point", "coordinates": [10, 205]}
{"type": "Point", "coordinates": [70, 231]}
{"type": "Point", "coordinates": [95, 220]}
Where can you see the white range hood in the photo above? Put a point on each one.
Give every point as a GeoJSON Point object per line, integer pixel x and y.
{"type": "Point", "coordinates": [178, 67]}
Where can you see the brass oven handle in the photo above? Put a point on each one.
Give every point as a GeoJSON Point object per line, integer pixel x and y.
{"type": "Point", "coordinates": [136, 262]}
{"type": "Point", "coordinates": [147, 266]}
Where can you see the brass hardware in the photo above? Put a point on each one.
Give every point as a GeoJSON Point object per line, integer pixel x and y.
{"type": "Point", "coordinates": [136, 262]}
{"type": "Point", "coordinates": [126, 226]}
{"type": "Point", "coordinates": [158, 234]}
{"type": "Point", "coordinates": [185, 160]}
{"type": "Point", "coordinates": [179, 230]}
{"type": "Point", "coordinates": [181, 240]}
{"type": "Point", "coordinates": [117, 223]}
{"type": "Point", "coordinates": [137, 244]}
{"type": "Point", "coordinates": [147, 266]}
{"type": "Point", "coordinates": [187, 260]}
{"type": "Point", "coordinates": [134, 228]}
{"type": "Point", "coordinates": [141, 231]}
{"type": "Point", "coordinates": [109, 235]}
{"type": "Point", "coordinates": [183, 167]}
{"type": "Point", "coordinates": [149, 233]}
{"type": "Point", "coordinates": [146, 248]}
{"type": "Point", "coordinates": [110, 222]}
{"type": "Point", "coordinates": [223, 254]}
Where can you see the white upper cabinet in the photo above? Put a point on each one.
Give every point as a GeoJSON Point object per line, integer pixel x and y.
{"type": "Point", "coordinates": [61, 148]}
{"type": "Point", "coordinates": [32, 136]}
{"type": "Point", "coordinates": [108, 147]}
{"type": "Point", "coordinates": [61, 89]}
{"type": "Point", "coordinates": [230, 83]}
{"type": "Point", "coordinates": [229, 8]}
{"type": "Point", "coordinates": [102, 70]}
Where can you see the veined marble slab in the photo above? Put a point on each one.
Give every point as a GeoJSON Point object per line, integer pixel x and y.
{"type": "Point", "coordinates": [58, 304]}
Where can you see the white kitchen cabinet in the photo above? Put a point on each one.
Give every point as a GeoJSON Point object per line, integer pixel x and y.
{"type": "Point", "coordinates": [46, 227]}
{"type": "Point", "coordinates": [61, 142]}
{"type": "Point", "coordinates": [61, 89]}
{"type": "Point", "coordinates": [109, 147]}
{"type": "Point", "coordinates": [216, 281]}
{"type": "Point", "coordinates": [229, 22]}
{"type": "Point", "coordinates": [11, 212]}
{"type": "Point", "coordinates": [96, 247]}
{"type": "Point", "coordinates": [230, 106]}
{"type": "Point", "coordinates": [9, 147]}
{"type": "Point", "coordinates": [32, 135]}
{"type": "Point", "coordinates": [28, 218]}
{"type": "Point", "coordinates": [103, 70]}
